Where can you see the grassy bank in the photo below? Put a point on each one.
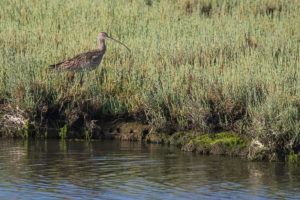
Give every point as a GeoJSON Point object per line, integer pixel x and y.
{"type": "Point", "coordinates": [204, 65]}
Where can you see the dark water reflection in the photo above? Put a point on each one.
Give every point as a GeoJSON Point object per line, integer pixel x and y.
{"type": "Point", "coordinates": [122, 170]}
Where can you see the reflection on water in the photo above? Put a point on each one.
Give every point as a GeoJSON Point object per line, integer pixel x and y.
{"type": "Point", "coordinates": [116, 170]}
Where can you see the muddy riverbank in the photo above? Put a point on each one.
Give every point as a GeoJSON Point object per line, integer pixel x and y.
{"type": "Point", "coordinates": [14, 124]}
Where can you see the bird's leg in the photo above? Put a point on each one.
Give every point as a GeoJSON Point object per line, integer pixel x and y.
{"type": "Point", "coordinates": [81, 79]}
{"type": "Point", "coordinates": [87, 74]}
{"type": "Point", "coordinates": [102, 73]}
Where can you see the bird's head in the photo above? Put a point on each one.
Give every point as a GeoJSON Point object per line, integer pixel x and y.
{"type": "Point", "coordinates": [103, 36]}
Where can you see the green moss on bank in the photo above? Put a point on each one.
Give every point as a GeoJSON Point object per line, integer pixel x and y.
{"type": "Point", "coordinates": [293, 158]}
{"type": "Point", "coordinates": [230, 138]}
{"type": "Point", "coordinates": [226, 143]}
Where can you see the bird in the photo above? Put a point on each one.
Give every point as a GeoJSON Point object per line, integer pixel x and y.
{"type": "Point", "coordinates": [87, 61]}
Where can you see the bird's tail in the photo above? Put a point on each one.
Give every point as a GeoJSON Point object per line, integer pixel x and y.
{"type": "Point", "coordinates": [51, 67]}
{"type": "Point", "coordinates": [55, 66]}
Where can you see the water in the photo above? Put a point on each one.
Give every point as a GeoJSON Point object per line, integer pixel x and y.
{"type": "Point", "coordinates": [121, 170]}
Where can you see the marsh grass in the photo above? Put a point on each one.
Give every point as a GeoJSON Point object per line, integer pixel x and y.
{"type": "Point", "coordinates": [197, 64]}
{"type": "Point", "coordinates": [63, 132]}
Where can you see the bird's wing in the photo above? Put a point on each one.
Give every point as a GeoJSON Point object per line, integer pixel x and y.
{"type": "Point", "coordinates": [76, 63]}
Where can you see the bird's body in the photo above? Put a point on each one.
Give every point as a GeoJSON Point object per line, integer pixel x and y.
{"type": "Point", "coordinates": [86, 61]}
{"type": "Point", "coordinates": [83, 62]}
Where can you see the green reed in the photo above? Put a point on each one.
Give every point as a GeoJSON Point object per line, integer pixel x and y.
{"type": "Point", "coordinates": [195, 64]}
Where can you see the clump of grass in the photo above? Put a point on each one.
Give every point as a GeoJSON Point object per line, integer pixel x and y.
{"type": "Point", "coordinates": [250, 41]}
{"type": "Point", "coordinates": [63, 132]}
{"type": "Point", "coordinates": [273, 6]}
{"type": "Point", "coordinates": [87, 135]}
{"type": "Point", "coordinates": [149, 2]}
{"type": "Point", "coordinates": [26, 132]}
{"type": "Point", "coordinates": [206, 8]}
{"type": "Point", "coordinates": [190, 6]}
{"type": "Point", "coordinates": [293, 158]}
{"type": "Point", "coordinates": [269, 8]}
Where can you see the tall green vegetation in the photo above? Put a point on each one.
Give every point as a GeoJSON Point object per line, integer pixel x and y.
{"type": "Point", "coordinates": [195, 64]}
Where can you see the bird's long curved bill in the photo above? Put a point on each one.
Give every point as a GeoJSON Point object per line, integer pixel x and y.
{"type": "Point", "coordinates": [110, 38]}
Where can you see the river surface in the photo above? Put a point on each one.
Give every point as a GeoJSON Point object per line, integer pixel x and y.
{"type": "Point", "coordinates": [54, 169]}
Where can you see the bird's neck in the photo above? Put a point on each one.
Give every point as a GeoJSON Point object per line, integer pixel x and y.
{"type": "Point", "coordinates": [101, 44]}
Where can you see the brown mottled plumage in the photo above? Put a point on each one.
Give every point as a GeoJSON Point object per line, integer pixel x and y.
{"type": "Point", "coordinates": [86, 61]}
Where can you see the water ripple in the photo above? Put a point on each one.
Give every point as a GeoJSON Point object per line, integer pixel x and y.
{"type": "Point", "coordinates": [114, 170]}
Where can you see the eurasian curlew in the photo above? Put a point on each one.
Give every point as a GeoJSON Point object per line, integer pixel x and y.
{"type": "Point", "coordinates": [88, 61]}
